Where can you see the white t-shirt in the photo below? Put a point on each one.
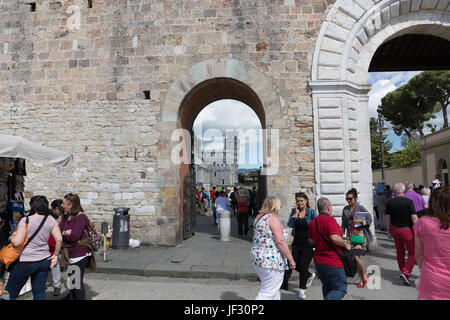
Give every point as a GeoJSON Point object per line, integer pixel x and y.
{"type": "Point", "coordinates": [222, 203]}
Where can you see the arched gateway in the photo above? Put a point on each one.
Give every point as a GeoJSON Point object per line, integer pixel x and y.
{"type": "Point", "coordinates": [348, 40]}
{"type": "Point", "coordinates": [113, 90]}
{"type": "Point", "coordinates": [197, 87]}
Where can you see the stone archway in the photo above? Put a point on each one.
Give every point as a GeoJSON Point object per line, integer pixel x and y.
{"type": "Point", "coordinates": [349, 37]}
{"type": "Point", "coordinates": [201, 84]}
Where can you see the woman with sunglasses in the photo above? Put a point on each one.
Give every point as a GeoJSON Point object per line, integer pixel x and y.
{"type": "Point", "coordinates": [302, 250]}
{"type": "Point", "coordinates": [356, 221]}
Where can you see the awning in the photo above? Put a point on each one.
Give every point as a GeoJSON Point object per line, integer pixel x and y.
{"type": "Point", "coordinates": [18, 147]}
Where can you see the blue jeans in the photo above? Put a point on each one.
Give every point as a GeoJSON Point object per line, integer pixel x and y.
{"type": "Point", "coordinates": [19, 275]}
{"type": "Point", "coordinates": [334, 282]}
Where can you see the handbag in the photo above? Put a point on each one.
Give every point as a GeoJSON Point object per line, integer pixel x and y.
{"type": "Point", "coordinates": [347, 257]}
{"type": "Point", "coordinates": [354, 238]}
{"type": "Point", "coordinates": [9, 254]}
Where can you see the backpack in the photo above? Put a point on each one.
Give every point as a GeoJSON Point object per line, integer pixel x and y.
{"type": "Point", "coordinates": [94, 239]}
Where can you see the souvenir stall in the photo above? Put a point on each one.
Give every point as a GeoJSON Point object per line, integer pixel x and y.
{"type": "Point", "coordinates": [15, 151]}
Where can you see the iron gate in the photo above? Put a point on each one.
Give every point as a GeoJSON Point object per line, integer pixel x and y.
{"type": "Point", "coordinates": [189, 212]}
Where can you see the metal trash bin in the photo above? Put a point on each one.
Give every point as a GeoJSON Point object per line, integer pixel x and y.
{"type": "Point", "coordinates": [121, 228]}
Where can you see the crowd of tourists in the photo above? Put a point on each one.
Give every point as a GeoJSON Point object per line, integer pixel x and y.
{"type": "Point", "coordinates": [52, 239]}
{"type": "Point", "coordinates": [55, 238]}
{"type": "Point", "coordinates": [239, 201]}
{"type": "Point", "coordinates": [422, 226]}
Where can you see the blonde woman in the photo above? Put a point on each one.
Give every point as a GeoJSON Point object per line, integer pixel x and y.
{"type": "Point", "coordinates": [270, 252]}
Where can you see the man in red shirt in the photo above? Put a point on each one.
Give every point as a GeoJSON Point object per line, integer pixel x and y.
{"type": "Point", "coordinates": [328, 264]}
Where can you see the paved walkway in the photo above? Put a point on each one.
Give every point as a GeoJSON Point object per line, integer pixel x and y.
{"type": "Point", "coordinates": [207, 260]}
{"type": "Point", "coordinates": [202, 255]}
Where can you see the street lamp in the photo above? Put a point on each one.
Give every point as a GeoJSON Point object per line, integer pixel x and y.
{"type": "Point", "coordinates": [380, 126]}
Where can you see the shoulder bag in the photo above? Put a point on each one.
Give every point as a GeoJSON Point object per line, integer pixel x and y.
{"type": "Point", "coordinates": [347, 257]}
{"type": "Point", "coordinates": [10, 254]}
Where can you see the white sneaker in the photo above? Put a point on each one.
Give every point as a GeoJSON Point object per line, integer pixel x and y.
{"type": "Point", "coordinates": [301, 294]}
{"type": "Point", "coordinates": [310, 280]}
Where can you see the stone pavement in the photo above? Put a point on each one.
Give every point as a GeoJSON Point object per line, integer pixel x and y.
{"type": "Point", "coordinates": [206, 265]}
{"type": "Point", "coordinates": [202, 255]}
{"type": "Point", "coordinates": [205, 256]}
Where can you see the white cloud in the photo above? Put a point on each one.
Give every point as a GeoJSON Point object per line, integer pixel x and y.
{"type": "Point", "coordinates": [218, 117]}
{"type": "Point", "coordinates": [383, 83]}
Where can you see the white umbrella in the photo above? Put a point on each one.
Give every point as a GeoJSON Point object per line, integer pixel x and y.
{"type": "Point", "coordinates": [18, 147]}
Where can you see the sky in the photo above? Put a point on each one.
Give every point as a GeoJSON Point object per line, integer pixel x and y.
{"type": "Point", "coordinates": [213, 121]}
{"type": "Point", "coordinates": [385, 82]}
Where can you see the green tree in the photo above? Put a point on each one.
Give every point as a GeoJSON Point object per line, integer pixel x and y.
{"type": "Point", "coordinates": [407, 109]}
{"type": "Point", "coordinates": [375, 146]}
{"type": "Point", "coordinates": [435, 86]}
{"type": "Point", "coordinates": [408, 156]}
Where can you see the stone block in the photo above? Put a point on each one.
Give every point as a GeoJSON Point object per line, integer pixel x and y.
{"type": "Point", "coordinates": [331, 145]}
{"type": "Point", "coordinates": [329, 59]}
{"type": "Point", "coordinates": [331, 177]}
{"type": "Point", "coordinates": [443, 4]}
{"type": "Point", "coordinates": [415, 5]}
{"type": "Point", "coordinates": [336, 32]}
{"type": "Point", "coordinates": [330, 189]}
{"type": "Point", "coordinates": [328, 73]}
{"type": "Point", "coordinates": [328, 167]}
{"type": "Point", "coordinates": [429, 4]}
{"type": "Point", "coordinates": [330, 133]}
{"type": "Point", "coordinates": [344, 20]}
{"type": "Point", "coordinates": [330, 113]}
{"type": "Point", "coordinates": [331, 155]}
{"type": "Point", "coordinates": [395, 9]}
{"type": "Point", "coordinates": [351, 8]}
{"type": "Point", "coordinates": [330, 123]}
{"type": "Point", "coordinates": [333, 45]}
{"type": "Point", "coordinates": [404, 6]}
{"type": "Point", "coordinates": [329, 102]}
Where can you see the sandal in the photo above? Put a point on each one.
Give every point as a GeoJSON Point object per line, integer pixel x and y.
{"type": "Point", "coordinates": [364, 282]}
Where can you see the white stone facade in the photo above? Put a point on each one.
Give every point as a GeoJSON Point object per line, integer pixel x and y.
{"type": "Point", "coordinates": [348, 39]}
{"type": "Point", "coordinates": [218, 167]}
{"type": "Point", "coordinates": [111, 92]}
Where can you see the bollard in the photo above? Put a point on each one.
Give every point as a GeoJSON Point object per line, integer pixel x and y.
{"type": "Point", "coordinates": [225, 225]}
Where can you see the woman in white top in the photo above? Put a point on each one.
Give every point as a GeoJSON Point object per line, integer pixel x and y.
{"type": "Point", "coordinates": [270, 252]}
{"type": "Point", "coordinates": [35, 260]}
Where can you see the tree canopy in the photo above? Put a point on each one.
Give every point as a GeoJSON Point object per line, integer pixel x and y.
{"type": "Point", "coordinates": [435, 85]}
{"type": "Point", "coordinates": [411, 105]}
{"type": "Point", "coordinates": [407, 109]}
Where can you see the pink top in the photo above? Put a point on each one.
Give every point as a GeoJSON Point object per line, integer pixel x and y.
{"type": "Point", "coordinates": [435, 273]}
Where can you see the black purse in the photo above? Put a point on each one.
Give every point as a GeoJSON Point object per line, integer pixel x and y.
{"type": "Point", "coordinates": [347, 257]}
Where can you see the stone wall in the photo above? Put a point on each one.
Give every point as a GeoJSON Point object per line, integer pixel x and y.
{"type": "Point", "coordinates": [97, 89]}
